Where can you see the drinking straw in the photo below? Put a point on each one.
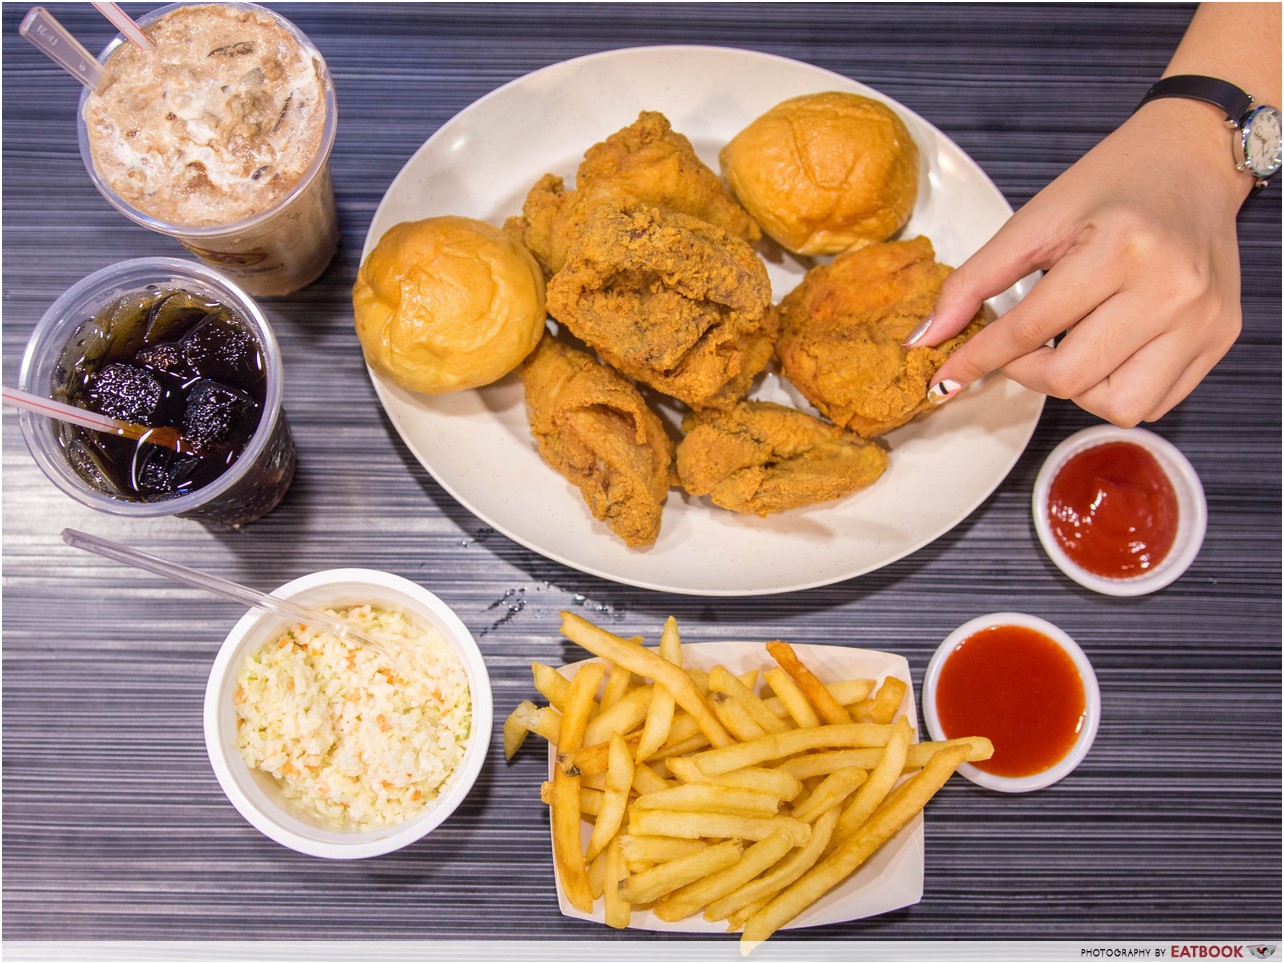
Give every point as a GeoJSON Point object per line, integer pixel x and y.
{"type": "Point", "coordinates": [56, 43]}
{"type": "Point", "coordinates": [125, 24]}
{"type": "Point", "coordinates": [227, 589]}
{"type": "Point", "coordinates": [163, 435]}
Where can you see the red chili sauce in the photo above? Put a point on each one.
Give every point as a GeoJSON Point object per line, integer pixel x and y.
{"type": "Point", "coordinates": [1020, 689]}
{"type": "Point", "coordinates": [1113, 510]}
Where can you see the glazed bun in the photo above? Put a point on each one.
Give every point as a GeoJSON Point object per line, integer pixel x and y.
{"type": "Point", "coordinates": [447, 303]}
{"type": "Point", "coordinates": [825, 172]}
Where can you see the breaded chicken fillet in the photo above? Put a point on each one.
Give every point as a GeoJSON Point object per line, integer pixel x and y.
{"type": "Point", "coordinates": [593, 427]}
{"type": "Point", "coordinates": [760, 457]}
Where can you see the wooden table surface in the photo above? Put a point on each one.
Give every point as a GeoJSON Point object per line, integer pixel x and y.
{"type": "Point", "coordinates": [114, 827]}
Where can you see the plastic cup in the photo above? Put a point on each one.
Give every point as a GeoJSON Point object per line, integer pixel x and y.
{"type": "Point", "coordinates": [255, 481]}
{"type": "Point", "coordinates": [276, 251]}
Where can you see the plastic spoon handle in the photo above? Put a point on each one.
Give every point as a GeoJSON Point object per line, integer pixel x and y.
{"type": "Point", "coordinates": [221, 587]}
{"type": "Point", "coordinates": [159, 435]}
{"type": "Point", "coordinates": [39, 27]}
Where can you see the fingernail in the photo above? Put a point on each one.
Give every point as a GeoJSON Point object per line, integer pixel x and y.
{"type": "Point", "coordinates": [917, 333]}
{"type": "Point", "coordinates": [943, 391]}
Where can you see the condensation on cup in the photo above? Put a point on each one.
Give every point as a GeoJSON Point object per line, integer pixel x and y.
{"type": "Point", "coordinates": [221, 139]}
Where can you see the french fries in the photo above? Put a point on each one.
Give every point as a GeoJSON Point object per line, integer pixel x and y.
{"type": "Point", "coordinates": [619, 781]}
{"type": "Point", "coordinates": [642, 661]}
{"type": "Point", "coordinates": [778, 745]}
{"type": "Point", "coordinates": [895, 812]}
{"type": "Point", "coordinates": [653, 884]}
{"type": "Point", "coordinates": [828, 708]}
{"type": "Point", "coordinates": [659, 717]}
{"type": "Point", "coordinates": [710, 798]}
{"type": "Point", "coordinates": [688, 791]}
{"type": "Point", "coordinates": [565, 804]}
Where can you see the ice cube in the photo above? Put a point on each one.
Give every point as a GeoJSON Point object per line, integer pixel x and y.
{"type": "Point", "coordinates": [88, 460]}
{"type": "Point", "coordinates": [173, 313]}
{"type": "Point", "coordinates": [162, 472]}
{"type": "Point", "coordinates": [217, 413]}
{"type": "Point", "coordinates": [126, 392]}
{"type": "Point", "coordinates": [125, 323]}
{"type": "Point", "coordinates": [223, 349]}
{"type": "Point", "coordinates": [162, 358]}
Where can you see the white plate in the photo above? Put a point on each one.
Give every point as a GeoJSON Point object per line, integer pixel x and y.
{"type": "Point", "coordinates": [478, 444]}
{"type": "Point", "coordinates": [891, 879]}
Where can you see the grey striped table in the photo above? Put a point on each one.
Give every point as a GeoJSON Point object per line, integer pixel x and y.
{"type": "Point", "coordinates": [114, 827]}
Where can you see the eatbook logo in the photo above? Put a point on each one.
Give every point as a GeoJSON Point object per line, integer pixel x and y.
{"type": "Point", "coordinates": [1262, 951]}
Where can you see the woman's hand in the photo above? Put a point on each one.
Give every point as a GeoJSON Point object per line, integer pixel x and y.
{"type": "Point", "coordinates": [1138, 244]}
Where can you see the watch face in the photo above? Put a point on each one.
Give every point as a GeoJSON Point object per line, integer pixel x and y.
{"type": "Point", "coordinates": [1262, 141]}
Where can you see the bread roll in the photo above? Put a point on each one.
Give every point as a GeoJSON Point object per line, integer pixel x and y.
{"type": "Point", "coordinates": [825, 172]}
{"type": "Point", "coordinates": [447, 303]}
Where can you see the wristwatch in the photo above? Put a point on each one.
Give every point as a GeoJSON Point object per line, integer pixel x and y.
{"type": "Point", "coordinates": [1255, 130]}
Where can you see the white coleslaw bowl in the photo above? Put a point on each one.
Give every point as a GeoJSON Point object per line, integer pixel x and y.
{"type": "Point", "coordinates": [258, 797]}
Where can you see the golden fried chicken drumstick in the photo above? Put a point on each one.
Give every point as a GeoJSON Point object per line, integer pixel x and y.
{"type": "Point", "coordinates": [593, 427]}
{"type": "Point", "coordinates": [668, 299]}
{"type": "Point", "coordinates": [842, 329]}
{"type": "Point", "coordinates": [760, 457]}
{"type": "Point", "coordinates": [647, 160]}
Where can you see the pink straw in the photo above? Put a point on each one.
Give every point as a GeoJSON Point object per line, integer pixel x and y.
{"type": "Point", "coordinates": [126, 25]}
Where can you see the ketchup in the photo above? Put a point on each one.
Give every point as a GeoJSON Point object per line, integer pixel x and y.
{"type": "Point", "coordinates": [1020, 689]}
{"type": "Point", "coordinates": [1113, 510]}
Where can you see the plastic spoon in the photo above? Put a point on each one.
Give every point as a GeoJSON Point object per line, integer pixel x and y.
{"type": "Point", "coordinates": [52, 38]}
{"type": "Point", "coordinates": [163, 435]}
{"type": "Point", "coordinates": [224, 587]}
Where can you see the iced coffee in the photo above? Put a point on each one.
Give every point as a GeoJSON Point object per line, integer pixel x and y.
{"type": "Point", "coordinates": [220, 136]}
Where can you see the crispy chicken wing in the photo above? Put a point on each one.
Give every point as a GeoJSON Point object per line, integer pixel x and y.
{"type": "Point", "coordinates": [647, 160]}
{"type": "Point", "coordinates": [593, 427]}
{"type": "Point", "coordinates": [668, 299]}
{"type": "Point", "coordinates": [759, 457]}
{"type": "Point", "coordinates": [842, 329]}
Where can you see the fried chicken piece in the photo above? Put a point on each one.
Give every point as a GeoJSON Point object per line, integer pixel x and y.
{"type": "Point", "coordinates": [760, 457]}
{"type": "Point", "coordinates": [668, 299]}
{"type": "Point", "coordinates": [745, 360]}
{"type": "Point", "coordinates": [647, 160]}
{"type": "Point", "coordinates": [842, 329]}
{"type": "Point", "coordinates": [594, 428]}
{"type": "Point", "coordinates": [544, 226]}
{"type": "Point", "coordinates": [654, 163]}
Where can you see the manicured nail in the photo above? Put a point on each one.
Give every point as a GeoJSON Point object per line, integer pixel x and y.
{"type": "Point", "coordinates": [917, 333]}
{"type": "Point", "coordinates": [943, 391]}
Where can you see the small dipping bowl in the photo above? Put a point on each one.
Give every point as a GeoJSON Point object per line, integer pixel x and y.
{"type": "Point", "coordinates": [1087, 728]}
{"type": "Point", "coordinates": [1192, 510]}
{"type": "Point", "coordinates": [259, 797]}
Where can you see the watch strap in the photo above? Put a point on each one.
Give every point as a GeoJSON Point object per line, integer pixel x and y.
{"type": "Point", "coordinates": [1220, 93]}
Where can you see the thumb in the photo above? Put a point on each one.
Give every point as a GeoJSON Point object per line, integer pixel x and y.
{"type": "Point", "coordinates": [1000, 263]}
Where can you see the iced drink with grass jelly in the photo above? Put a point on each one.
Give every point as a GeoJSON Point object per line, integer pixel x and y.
{"type": "Point", "coordinates": [169, 345]}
